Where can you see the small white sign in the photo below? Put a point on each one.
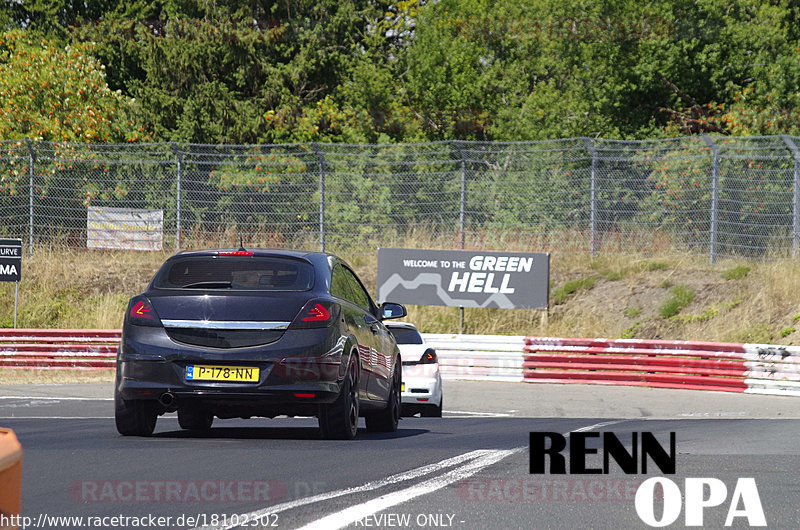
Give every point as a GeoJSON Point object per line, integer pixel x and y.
{"type": "Point", "coordinates": [124, 228]}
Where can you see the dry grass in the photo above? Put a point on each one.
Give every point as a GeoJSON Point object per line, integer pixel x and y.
{"type": "Point", "coordinates": [69, 289]}
{"type": "Point", "coordinates": [23, 376]}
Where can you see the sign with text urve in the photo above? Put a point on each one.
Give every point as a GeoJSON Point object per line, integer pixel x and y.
{"type": "Point", "coordinates": [10, 260]}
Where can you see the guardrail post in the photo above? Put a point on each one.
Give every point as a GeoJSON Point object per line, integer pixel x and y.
{"type": "Point", "coordinates": [587, 142]}
{"type": "Point", "coordinates": [178, 194]}
{"type": "Point", "coordinates": [796, 190]}
{"type": "Point", "coordinates": [31, 173]}
{"type": "Point", "coordinates": [714, 197]}
{"type": "Point", "coordinates": [321, 156]}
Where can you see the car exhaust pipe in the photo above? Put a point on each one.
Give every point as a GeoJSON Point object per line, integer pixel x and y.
{"type": "Point", "coordinates": [167, 400]}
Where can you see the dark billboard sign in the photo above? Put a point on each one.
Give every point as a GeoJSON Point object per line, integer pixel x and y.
{"type": "Point", "coordinates": [10, 260]}
{"type": "Point", "coordinates": [458, 278]}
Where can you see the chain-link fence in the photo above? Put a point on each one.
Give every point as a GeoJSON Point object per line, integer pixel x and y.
{"type": "Point", "coordinates": [712, 195]}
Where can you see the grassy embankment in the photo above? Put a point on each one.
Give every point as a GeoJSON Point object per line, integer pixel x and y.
{"type": "Point", "coordinates": [669, 296]}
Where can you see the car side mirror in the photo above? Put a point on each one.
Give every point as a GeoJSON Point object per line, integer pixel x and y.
{"type": "Point", "coordinates": [390, 310]}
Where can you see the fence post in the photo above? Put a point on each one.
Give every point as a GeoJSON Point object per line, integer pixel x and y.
{"type": "Point", "coordinates": [178, 194]}
{"type": "Point", "coordinates": [796, 190]}
{"type": "Point", "coordinates": [321, 156]}
{"type": "Point", "coordinates": [462, 204]}
{"type": "Point", "coordinates": [463, 197]}
{"type": "Point", "coordinates": [714, 197]}
{"type": "Point", "coordinates": [587, 142]}
{"type": "Point", "coordinates": [31, 172]}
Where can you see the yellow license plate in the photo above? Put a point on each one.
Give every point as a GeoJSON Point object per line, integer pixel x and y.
{"type": "Point", "coordinates": [199, 372]}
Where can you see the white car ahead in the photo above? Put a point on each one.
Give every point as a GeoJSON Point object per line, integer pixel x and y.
{"type": "Point", "coordinates": [422, 384]}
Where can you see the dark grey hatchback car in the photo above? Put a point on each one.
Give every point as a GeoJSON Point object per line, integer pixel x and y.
{"type": "Point", "coordinates": [242, 333]}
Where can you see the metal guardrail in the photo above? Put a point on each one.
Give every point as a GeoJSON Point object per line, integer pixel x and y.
{"type": "Point", "coordinates": [666, 364]}
{"type": "Point", "coordinates": [698, 365]}
{"type": "Point", "coordinates": [731, 367]}
{"type": "Point", "coordinates": [83, 349]}
{"type": "Point", "coordinates": [481, 357]}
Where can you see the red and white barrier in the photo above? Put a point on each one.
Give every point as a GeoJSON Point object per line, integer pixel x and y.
{"type": "Point", "coordinates": [698, 365]}
{"type": "Point", "coordinates": [74, 349]}
{"type": "Point", "coordinates": [480, 357]}
{"type": "Point", "coordinates": [730, 367]}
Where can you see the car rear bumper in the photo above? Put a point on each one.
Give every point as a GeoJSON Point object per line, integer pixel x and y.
{"type": "Point", "coordinates": [421, 391]}
{"type": "Point", "coordinates": [291, 376]}
{"type": "Point", "coordinates": [224, 399]}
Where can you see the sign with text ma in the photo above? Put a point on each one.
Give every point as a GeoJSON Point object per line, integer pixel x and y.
{"type": "Point", "coordinates": [10, 260]}
{"type": "Point", "coordinates": [458, 278]}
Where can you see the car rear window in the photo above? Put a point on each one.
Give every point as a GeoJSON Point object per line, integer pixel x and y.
{"type": "Point", "coordinates": [252, 273]}
{"type": "Point", "coordinates": [406, 336]}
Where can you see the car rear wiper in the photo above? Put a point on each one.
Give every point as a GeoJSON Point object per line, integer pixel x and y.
{"type": "Point", "coordinates": [208, 285]}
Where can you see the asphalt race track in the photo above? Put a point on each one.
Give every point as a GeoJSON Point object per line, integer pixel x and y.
{"type": "Point", "coordinates": [467, 470]}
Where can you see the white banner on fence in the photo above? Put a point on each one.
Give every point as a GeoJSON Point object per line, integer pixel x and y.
{"type": "Point", "coordinates": [124, 228]}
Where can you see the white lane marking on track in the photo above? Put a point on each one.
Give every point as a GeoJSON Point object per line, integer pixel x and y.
{"type": "Point", "coordinates": [58, 398]}
{"type": "Point", "coordinates": [30, 403]}
{"type": "Point", "coordinates": [394, 479]}
{"type": "Point", "coordinates": [464, 413]}
{"type": "Point", "coordinates": [355, 513]}
{"type": "Point", "coordinates": [481, 458]}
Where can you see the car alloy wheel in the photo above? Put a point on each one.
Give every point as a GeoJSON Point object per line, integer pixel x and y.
{"type": "Point", "coordinates": [339, 420]}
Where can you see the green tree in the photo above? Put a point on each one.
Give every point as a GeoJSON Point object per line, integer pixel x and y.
{"type": "Point", "coordinates": [209, 73]}
{"type": "Point", "coordinates": [547, 69]}
{"type": "Point", "coordinates": [49, 92]}
{"type": "Point", "coordinates": [237, 71]}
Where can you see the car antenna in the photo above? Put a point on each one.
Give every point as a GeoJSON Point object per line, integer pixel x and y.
{"type": "Point", "coordinates": [241, 244]}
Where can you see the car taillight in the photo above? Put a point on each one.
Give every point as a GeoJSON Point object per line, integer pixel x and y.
{"type": "Point", "coordinates": [141, 310]}
{"type": "Point", "coordinates": [316, 314]}
{"type": "Point", "coordinates": [429, 357]}
{"type": "Point", "coordinates": [142, 313]}
{"type": "Point", "coordinates": [236, 253]}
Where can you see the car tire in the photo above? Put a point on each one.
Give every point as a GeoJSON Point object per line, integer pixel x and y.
{"type": "Point", "coordinates": [434, 411]}
{"type": "Point", "coordinates": [135, 417]}
{"type": "Point", "coordinates": [387, 419]}
{"type": "Point", "coordinates": [339, 420]}
{"type": "Point", "coordinates": [195, 418]}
